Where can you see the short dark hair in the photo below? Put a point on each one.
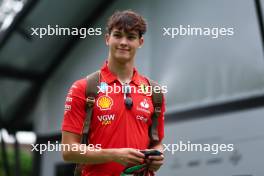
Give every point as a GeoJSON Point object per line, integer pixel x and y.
{"type": "Point", "coordinates": [127, 20]}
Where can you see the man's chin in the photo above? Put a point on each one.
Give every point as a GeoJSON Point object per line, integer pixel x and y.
{"type": "Point", "coordinates": [124, 59]}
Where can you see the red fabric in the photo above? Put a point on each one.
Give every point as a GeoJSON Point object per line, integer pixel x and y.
{"type": "Point", "coordinates": [112, 125]}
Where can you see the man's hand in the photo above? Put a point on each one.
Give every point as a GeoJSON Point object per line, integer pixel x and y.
{"type": "Point", "coordinates": [128, 156]}
{"type": "Point", "coordinates": [155, 162]}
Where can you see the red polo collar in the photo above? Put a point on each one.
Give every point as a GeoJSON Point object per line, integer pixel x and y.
{"type": "Point", "coordinates": [110, 77]}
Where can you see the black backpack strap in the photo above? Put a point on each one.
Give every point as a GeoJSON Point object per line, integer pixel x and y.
{"type": "Point", "coordinates": [93, 80]}
{"type": "Point", "coordinates": [157, 103]}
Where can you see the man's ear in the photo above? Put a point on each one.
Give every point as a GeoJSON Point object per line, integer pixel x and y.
{"type": "Point", "coordinates": [141, 42]}
{"type": "Point", "coordinates": [107, 36]}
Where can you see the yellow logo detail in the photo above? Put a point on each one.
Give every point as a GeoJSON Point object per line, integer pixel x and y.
{"type": "Point", "coordinates": [104, 102]}
{"type": "Point", "coordinates": [106, 122]}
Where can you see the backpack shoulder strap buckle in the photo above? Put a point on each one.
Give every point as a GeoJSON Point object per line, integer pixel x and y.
{"type": "Point", "coordinates": [90, 101]}
{"type": "Point", "coordinates": [157, 109]}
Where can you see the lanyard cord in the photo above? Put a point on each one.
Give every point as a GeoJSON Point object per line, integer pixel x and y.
{"type": "Point", "coordinates": [134, 169]}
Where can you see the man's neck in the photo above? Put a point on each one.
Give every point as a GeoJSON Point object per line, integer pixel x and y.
{"type": "Point", "coordinates": [123, 71]}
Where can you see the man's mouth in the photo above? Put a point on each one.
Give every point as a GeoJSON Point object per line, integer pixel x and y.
{"type": "Point", "coordinates": [122, 49]}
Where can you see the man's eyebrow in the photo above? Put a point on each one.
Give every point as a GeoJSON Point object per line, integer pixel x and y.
{"type": "Point", "coordinates": [127, 33]}
{"type": "Point", "coordinates": [117, 31]}
{"type": "Point", "coordinates": [132, 34]}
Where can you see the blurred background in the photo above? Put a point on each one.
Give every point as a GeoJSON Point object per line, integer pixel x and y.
{"type": "Point", "coordinates": [215, 85]}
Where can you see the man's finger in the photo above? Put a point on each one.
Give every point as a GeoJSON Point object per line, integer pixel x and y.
{"type": "Point", "coordinates": [155, 163]}
{"type": "Point", "coordinates": [157, 158]}
{"type": "Point", "coordinates": [136, 160]}
{"type": "Point", "coordinates": [138, 154]}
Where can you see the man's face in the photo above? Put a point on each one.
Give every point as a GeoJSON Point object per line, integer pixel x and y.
{"type": "Point", "coordinates": [123, 45]}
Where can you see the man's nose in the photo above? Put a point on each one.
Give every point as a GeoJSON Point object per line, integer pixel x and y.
{"type": "Point", "coordinates": [123, 41]}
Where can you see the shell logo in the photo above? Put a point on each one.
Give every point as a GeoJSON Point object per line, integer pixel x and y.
{"type": "Point", "coordinates": [104, 102]}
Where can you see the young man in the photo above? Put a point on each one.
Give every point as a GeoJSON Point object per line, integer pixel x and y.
{"type": "Point", "coordinates": [121, 131]}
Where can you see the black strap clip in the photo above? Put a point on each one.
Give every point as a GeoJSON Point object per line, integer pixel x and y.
{"type": "Point", "coordinates": [90, 101]}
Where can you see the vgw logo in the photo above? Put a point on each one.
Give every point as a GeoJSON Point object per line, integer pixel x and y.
{"type": "Point", "coordinates": [106, 119]}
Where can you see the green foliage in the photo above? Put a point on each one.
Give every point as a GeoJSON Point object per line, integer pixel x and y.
{"type": "Point", "coordinates": [25, 162]}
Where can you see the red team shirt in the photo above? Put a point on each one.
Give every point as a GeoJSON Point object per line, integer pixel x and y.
{"type": "Point", "coordinates": [112, 124]}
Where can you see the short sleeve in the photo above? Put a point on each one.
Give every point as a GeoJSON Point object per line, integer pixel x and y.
{"type": "Point", "coordinates": [74, 111]}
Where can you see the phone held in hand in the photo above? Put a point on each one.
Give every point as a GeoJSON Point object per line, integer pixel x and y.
{"type": "Point", "coordinates": [148, 153]}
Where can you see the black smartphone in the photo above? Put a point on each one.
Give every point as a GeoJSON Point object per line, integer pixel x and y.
{"type": "Point", "coordinates": [148, 153]}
